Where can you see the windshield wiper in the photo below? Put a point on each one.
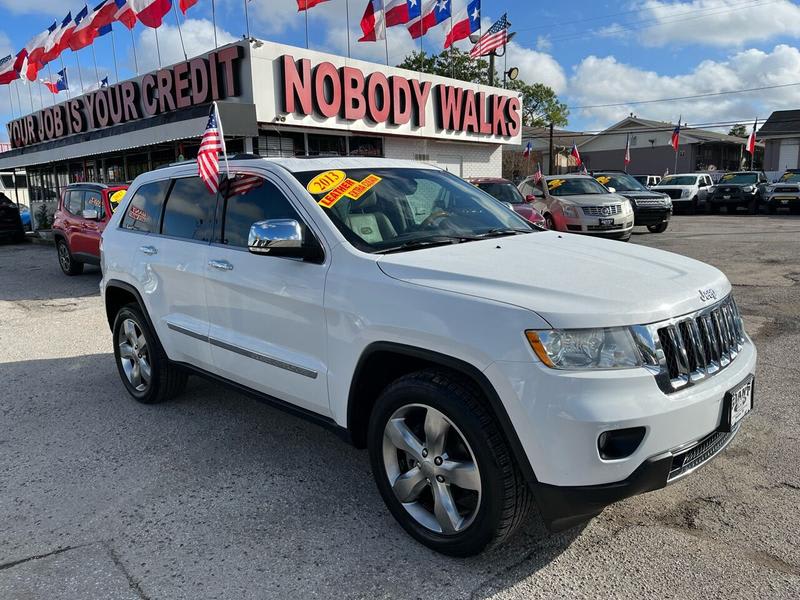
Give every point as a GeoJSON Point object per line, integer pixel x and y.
{"type": "Point", "coordinates": [428, 242]}
{"type": "Point", "coordinates": [501, 231]}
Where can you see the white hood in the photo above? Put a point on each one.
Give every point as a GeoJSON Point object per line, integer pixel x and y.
{"type": "Point", "coordinates": [571, 281]}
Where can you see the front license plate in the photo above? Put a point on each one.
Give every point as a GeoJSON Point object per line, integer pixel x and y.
{"type": "Point", "coordinates": [606, 222]}
{"type": "Point", "coordinates": [738, 402]}
{"type": "Point", "coordinates": [784, 200]}
{"type": "Point", "coordinates": [726, 197]}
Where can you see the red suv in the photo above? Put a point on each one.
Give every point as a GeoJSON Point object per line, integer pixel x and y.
{"type": "Point", "coordinates": [78, 223]}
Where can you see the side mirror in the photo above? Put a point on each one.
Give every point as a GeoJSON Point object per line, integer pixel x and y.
{"type": "Point", "coordinates": [90, 214]}
{"type": "Point", "coordinates": [612, 190]}
{"type": "Point", "coordinates": [282, 237]}
{"type": "Point", "coordinates": [530, 198]}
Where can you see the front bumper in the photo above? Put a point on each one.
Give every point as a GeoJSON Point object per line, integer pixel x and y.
{"type": "Point", "coordinates": [784, 200]}
{"type": "Point", "coordinates": [559, 416]}
{"type": "Point", "coordinates": [651, 216]}
{"type": "Point", "coordinates": [621, 228]}
{"type": "Point", "coordinates": [733, 199]}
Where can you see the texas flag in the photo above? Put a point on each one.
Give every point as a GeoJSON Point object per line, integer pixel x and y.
{"type": "Point", "coordinates": [10, 67]}
{"type": "Point", "coordinates": [676, 135]}
{"type": "Point", "coordinates": [34, 50]}
{"type": "Point", "coordinates": [104, 13]}
{"type": "Point", "coordinates": [433, 13]}
{"type": "Point", "coordinates": [59, 84]}
{"type": "Point", "coordinates": [576, 155]}
{"type": "Point", "coordinates": [465, 23]}
{"type": "Point", "coordinates": [373, 23]}
{"type": "Point", "coordinates": [751, 140]}
{"type": "Point", "coordinates": [185, 5]}
{"type": "Point", "coordinates": [84, 33]}
{"type": "Point", "coordinates": [528, 149]}
{"type": "Point", "coordinates": [125, 14]}
{"type": "Point", "coordinates": [59, 40]}
{"type": "Point", "coordinates": [150, 12]}
{"type": "Point", "coordinates": [306, 4]}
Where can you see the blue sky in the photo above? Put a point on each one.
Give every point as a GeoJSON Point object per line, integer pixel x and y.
{"type": "Point", "coordinates": [590, 53]}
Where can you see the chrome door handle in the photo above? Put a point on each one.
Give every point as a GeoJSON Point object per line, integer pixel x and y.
{"type": "Point", "coordinates": [149, 250]}
{"type": "Point", "coordinates": [222, 265]}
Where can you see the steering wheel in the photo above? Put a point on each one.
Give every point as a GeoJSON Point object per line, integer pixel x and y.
{"type": "Point", "coordinates": [435, 215]}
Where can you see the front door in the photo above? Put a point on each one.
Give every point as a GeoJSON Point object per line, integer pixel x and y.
{"type": "Point", "coordinates": [266, 313]}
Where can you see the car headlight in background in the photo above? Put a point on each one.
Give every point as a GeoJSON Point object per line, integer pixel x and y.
{"type": "Point", "coordinates": [748, 189]}
{"type": "Point", "coordinates": [569, 211]}
{"type": "Point", "coordinates": [586, 349]}
{"type": "Point", "coordinates": [712, 189]}
{"type": "Point", "coordinates": [686, 193]}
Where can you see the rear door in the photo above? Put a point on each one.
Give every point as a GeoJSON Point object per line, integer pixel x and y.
{"type": "Point", "coordinates": [169, 262]}
{"type": "Point", "coordinates": [268, 328]}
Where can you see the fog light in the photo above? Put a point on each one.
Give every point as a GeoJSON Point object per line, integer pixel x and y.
{"type": "Point", "coordinates": [619, 443]}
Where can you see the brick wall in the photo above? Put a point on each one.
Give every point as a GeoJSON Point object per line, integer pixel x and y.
{"type": "Point", "coordinates": [467, 160]}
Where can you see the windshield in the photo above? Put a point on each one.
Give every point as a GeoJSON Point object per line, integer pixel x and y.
{"type": "Point", "coordinates": [392, 209]}
{"type": "Point", "coordinates": [503, 191]}
{"type": "Point", "coordinates": [621, 182]}
{"type": "Point", "coordinates": [574, 186]}
{"type": "Point", "coordinates": [739, 178]}
{"type": "Point", "coordinates": [678, 180]}
{"type": "Point", "coordinates": [791, 176]}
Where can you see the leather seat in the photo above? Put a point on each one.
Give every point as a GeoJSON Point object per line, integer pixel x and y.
{"type": "Point", "coordinates": [367, 222]}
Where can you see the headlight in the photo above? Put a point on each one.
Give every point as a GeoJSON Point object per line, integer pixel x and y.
{"type": "Point", "coordinates": [585, 349]}
{"type": "Point", "coordinates": [712, 189]}
{"type": "Point", "coordinates": [748, 189]}
{"type": "Point", "coordinates": [569, 211]}
{"type": "Point", "coordinates": [686, 193]}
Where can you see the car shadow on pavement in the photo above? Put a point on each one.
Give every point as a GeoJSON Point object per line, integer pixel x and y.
{"type": "Point", "coordinates": [218, 489]}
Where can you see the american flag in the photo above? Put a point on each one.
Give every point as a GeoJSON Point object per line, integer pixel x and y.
{"type": "Point", "coordinates": [537, 177]}
{"type": "Point", "coordinates": [241, 184]}
{"type": "Point", "coordinates": [496, 37]}
{"type": "Point", "coordinates": [208, 154]}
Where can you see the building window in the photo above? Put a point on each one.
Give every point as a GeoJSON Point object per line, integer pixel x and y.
{"type": "Point", "coordinates": [284, 145]}
{"type": "Point", "coordinates": [366, 146]}
{"type": "Point", "coordinates": [422, 157]}
{"type": "Point", "coordinates": [326, 145]}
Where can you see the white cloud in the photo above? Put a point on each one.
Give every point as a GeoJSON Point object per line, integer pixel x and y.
{"type": "Point", "coordinates": [537, 67]}
{"type": "Point", "coordinates": [714, 22]}
{"type": "Point", "coordinates": [198, 36]}
{"type": "Point", "coordinates": [605, 80]}
{"type": "Point", "coordinates": [268, 16]}
{"type": "Point", "coordinates": [543, 43]}
{"type": "Point", "coordinates": [47, 7]}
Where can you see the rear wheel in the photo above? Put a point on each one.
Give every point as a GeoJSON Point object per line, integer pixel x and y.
{"type": "Point", "coordinates": [144, 368]}
{"type": "Point", "coordinates": [549, 221]}
{"type": "Point", "coordinates": [753, 206]}
{"type": "Point", "coordinates": [712, 209]}
{"type": "Point", "coordinates": [660, 228]}
{"type": "Point", "coordinates": [442, 465]}
{"type": "Point", "coordinates": [68, 264]}
{"type": "Point", "coordinates": [692, 208]}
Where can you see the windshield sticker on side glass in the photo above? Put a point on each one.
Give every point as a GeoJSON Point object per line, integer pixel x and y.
{"type": "Point", "coordinates": [553, 184]}
{"type": "Point", "coordinates": [351, 188]}
{"type": "Point", "coordinates": [94, 201]}
{"type": "Point", "coordinates": [727, 177]}
{"type": "Point", "coordinates": [325, 182]}
{"type": "Point", "coordinates": [604, 179]}
{"type": "Point", "coordinates": [137, 214]}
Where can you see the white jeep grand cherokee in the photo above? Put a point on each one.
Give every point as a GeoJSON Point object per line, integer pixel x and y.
{"type": "Point", "coordinates": [487, 365]}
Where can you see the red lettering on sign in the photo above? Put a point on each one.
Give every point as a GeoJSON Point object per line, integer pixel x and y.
{"type": "Point", "coordinates": [182, 85]}
{"type": "Point", "coordinates": [483, 115]}
{"type": "Point", "coordinates": [379, 97]}
{"type": "Point", "coordinates": [297, 86]}
{"type": "Point", "coordinates": [421, 93]}
{"type": "Point", "coordinates": [165, 100]}
{"type": "Point", "coordinates": [149, 100]}
{"type": "Point", "coordinates": [354, 102]}
{"type": "Point", "coordinates": [514, 116]}
{"type": "Point", "coordinates": [469, 121]}
{"type": "Point", "coordinates": [401, 100]}
{"type": "Point", "coordinates": [499, 125]}
{"type": "Point", "coordinates": [327, 90]}
{"type": "Point", "coordinates": [450, 107]}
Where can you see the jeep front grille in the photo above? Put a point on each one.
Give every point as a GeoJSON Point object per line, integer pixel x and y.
{"type": "Point", "coordinates": [687, 350]}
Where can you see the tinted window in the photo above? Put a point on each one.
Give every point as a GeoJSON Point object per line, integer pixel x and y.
{"type": "Point", "coordinates": [144, 211]}
{"type": "Point", "coordinates": [574, 186]}
{"type": "Point", "coordinates": [257, 200]}
{"type": "Point", "coordinates": [74, 202]}
{"type": "Point", "coordinates": [505, 192]}
{"type": "Point", "coordinates": [190, 210]}
{"type": "Point", "coordinates": [622, 182]}
{"type": "Point", "coordinates": [94, 201]}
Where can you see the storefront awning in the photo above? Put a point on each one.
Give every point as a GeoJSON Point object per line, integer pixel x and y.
{"type": "Point", "coordinates": [238, 119]}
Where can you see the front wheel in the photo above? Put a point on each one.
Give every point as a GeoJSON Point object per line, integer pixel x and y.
{"type": "Point", "coordinates": [660, 228]}
{"type": "Point", "coordinates": [692, 208]}
{"type": "Point", "coordinates": [144, 368]}
{"type": "Point", "coordinates": [753, 207]}
{"type": "Point", "coordinates": [442, 466]}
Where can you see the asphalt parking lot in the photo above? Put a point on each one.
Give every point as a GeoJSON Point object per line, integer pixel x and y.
{"type": "Point", "coordinates": [217, 496]}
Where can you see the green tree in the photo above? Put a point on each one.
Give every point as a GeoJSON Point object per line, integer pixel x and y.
{"type": "Point", "coordinates": [738, 130]}
{"type": "Point", "coordinates": [540, 104]}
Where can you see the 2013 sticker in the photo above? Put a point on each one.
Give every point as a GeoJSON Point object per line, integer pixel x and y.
{"type": "Point", "coordinates": [325, 182]}
{"type": "Point", "coordinates": [351, 188]}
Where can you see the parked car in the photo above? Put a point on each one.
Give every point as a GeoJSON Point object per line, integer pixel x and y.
{"type": "Point", "coordinates": [747, 189]}
{"type": "Point", "coordinates": [579, 204]}
{"type": "Point", "coordinates": [688, 191]}
{"type": "Point", "coordinates": [785, 193]}
{"type": "Point", "coordinates": [82, 214]}
{"type": "Point", "coordinates": [396, 304]}
{"type": "Point", "coordinates": [650, 209]}
{"type": "Point", "coordinates": [648, 181]}
{"type": "Point", "coordinates": [507, 192]}
{"type": "Point", "coordinates": [10, 222]}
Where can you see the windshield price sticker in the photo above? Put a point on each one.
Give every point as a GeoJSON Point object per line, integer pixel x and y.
{"type": "Point", "coordinates": [727, 177]}
{"type": "Point", "coordinates": [604, 179]}
{"type": "Point", "coordinates": [351, 188]}
{"type": "Point", "coordinates": [325, 182]}
{"type": "Point", "coordinates": [551, 185]}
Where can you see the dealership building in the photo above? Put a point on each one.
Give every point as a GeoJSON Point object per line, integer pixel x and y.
{"type": "Point", "coordinates": [273, 100]}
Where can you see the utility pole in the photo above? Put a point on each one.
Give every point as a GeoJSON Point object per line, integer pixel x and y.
{"type": "Point", "coordinates": [491, 69]}
{"type": "Point", "coordinates": [550, 153]}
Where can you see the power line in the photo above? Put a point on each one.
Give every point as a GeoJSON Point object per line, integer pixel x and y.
{"type": "Point", "coordinates": [692, 97]}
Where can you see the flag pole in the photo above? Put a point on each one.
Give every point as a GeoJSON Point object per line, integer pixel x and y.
{"type": "Point", "coordinates": [246, 18]}
{"type": "Point", "coordinates": [114, 52]}
{"type": "Point", "coordinates": [50, 75]}
{"type": "Point", "coordinates": [385, 32]}
{"type": "Point", "coordinates": [41, 97]}
{"type": "Point", "coordinates": [347, 17]}
{"type": "Point", "coordinates": [214, 21]}
{"type": "Point", "coordinates": [11, 101]}
{"type": "Point", "coordinates": [305, 13]}
{"type": "Point", "coordinates": [19, 100]}
{"type": "Point", "coordinates": [133, 45]}
{"type": "Point", "coordinates": [222, 137]}
{"type": "Point", "coordinates": [96, 71]}
{"type": "Point", "coordinates": [180, 33]}
{"type": "Point", "coordinates": [158, 48]}
{"type": "Point", "coordinates": [80, 74]}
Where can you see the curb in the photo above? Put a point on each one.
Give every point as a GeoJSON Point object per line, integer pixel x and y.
{"type": "Point", "coordinates": [43, 238]}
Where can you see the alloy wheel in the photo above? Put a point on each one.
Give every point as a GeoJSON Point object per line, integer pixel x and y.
{"type": "Point", "coordinates": [134, 355]}
{"type": "Point", "coordinates": [64, 258]}
{"type": "Point", "coordinates": [431, 468]}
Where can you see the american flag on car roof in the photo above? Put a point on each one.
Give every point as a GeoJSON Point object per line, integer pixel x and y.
{"type": "Point", "coordinates": [241, 184]}
{"type": "Point", "coordinates": [208, 154]}
{"type": "Point", "coordinates": [496, 37]}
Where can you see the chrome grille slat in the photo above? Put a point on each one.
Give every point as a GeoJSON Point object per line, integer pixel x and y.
{"type": "Point", "coordinates": [697, 346]}
{"type": "Point", "coordinates": [597, 211]}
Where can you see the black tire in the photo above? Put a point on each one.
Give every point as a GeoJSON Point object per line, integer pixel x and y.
{"type": "Point", "coordinates": [692, 209]}
{"type": "Point", "coordinates": [166, 380]}
{"type": "Point", "coordinates": [772, 208]}
{"type": "Point", "coordinates": [550, 222]}
{"type": "Point", "coordinates": [753, 207]}
{"type": "Point", "coordinates": [505, 499]}
{"type": "Point", "coordinates": [712, 209]}
{"type": "Point", "coordinates": [66, 261]}
{"type": "Point", "coordinates": [660, 228]}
